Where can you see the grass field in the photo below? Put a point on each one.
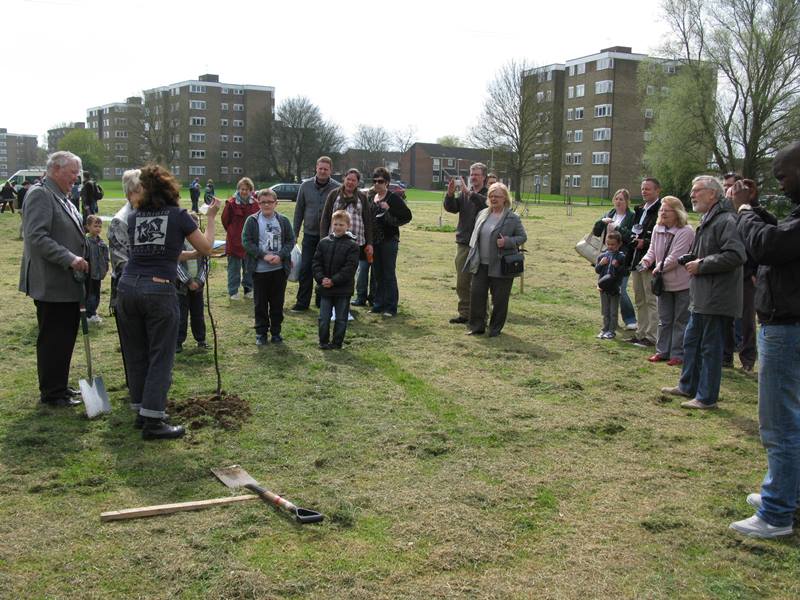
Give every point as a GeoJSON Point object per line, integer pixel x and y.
{"type": "Point", "coordinates": [539, 464]}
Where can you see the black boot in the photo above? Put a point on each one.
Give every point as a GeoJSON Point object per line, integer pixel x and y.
{"type": "Point", "coordinates": [157, 429]}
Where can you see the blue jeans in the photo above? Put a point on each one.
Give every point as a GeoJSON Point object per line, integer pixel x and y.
{"type": "Point", "coordinates": [237, 274]}
{"type": "Point", "coordinates": [625, 304]}
{"type": "Point", "coordinates": [362, 280]}
{"type": "Point", "coordinates": [703, 343]}
{"type": "Point", "coordinates": [779, 420]}
{"type": "Point", "coordinates": [326, 306]}
{"type": "Point", "coordinates": [384, 272]}
{"type": "Point", "coordinates": [306, 281]}
{"type": "Point", "coordinates": [148, 316]}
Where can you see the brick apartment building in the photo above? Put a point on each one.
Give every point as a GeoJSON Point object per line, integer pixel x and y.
{"type": "Point", "coordinates": [600, 122]}
{"type": "Point", "coordinates": [198, 128]}
{"type": "Point", "coordinates": [17, 151]}
{"type": "Point", "coordinates": [366, 162]}
{"type": "Point", "coordinates": [430, 166]}
{"type": "Point", "coordinates": [56, 134]}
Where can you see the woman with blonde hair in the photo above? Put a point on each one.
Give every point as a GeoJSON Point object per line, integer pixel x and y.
{"type": "Point", "coordinates": [497, 232]}
{"type": "Point", "coordinates": [672, 238]}
{"type": "Point", "coordinates": [237, 208]}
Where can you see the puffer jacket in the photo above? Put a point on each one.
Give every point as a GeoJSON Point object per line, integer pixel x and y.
{"type": "Point", "coordinates": [336, 258]}
{"type": "Point", "coordinates": [776, 250]}
{"type": "Point", "coordinates": [717, 288]}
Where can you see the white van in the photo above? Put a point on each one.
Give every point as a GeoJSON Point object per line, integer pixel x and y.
{"type": "Point", "coordinates": [23, 175]}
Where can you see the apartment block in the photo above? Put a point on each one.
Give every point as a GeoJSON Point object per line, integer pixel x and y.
{"type": "Point", "coordinates": [56, 134]}
{"type": "Point", "coordinates": [117, 126]}
{"type": "Point", "coordinates": [17, 151]}
{"type": "Point", "coordinates": [430, 166]}
{"type": "Point", "coordinates": [600, 122]}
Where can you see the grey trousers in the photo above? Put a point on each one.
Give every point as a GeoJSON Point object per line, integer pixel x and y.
{"type": "Point", "coordinates": [609, 308]}
{"type": "Point", "coordinates": [673, 315]}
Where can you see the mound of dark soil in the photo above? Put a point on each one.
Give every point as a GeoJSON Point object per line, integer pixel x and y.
{"type": "Point", "coordinates": [226, 411]}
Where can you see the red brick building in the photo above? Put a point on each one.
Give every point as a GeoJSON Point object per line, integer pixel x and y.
{"type": "Point", "coordinates": [430, 166]}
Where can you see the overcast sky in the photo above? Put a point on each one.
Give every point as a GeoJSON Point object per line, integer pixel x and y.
{"type": "Point", "coordinates": [395, 64]}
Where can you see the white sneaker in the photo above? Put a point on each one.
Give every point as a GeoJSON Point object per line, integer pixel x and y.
{"type": "Point", "coordinates": [600, 335]}
{"type": "Point", "coordinates": [755, 526]}
{"type": "Point", "coordinates": [248, 295]}
{"type": "Point", "coordinates": [95, 319]}
{"type": "Point", "coordinates": [236, 297]}
{"type": "Point", "coordinates": [631, 327]}
{"type": "Point", "coordinates": [754, 500]}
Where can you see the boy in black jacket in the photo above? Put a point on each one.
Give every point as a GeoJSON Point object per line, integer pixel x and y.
{"type": "Point", "coordinates": [610, 269]}
{"type": "Point", "coordinates": [334, 267]}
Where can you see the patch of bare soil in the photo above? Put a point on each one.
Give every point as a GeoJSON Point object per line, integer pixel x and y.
{"type": "Point", "coordinates": [226, 411]}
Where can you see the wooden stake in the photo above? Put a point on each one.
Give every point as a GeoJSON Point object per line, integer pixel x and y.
{"type": "Point", "coordinates": [165, 509]}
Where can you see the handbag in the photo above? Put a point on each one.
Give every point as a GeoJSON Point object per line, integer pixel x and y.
{"type": "Point", "coordinates": [657, 282]}
{"type": "Point", "coordinates": [590, 247]}
{"type": "Point", "coordinates": [512, 264]}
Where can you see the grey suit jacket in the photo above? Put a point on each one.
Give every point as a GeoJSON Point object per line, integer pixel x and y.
{"type": "Point", "coordinates": [54, 236]}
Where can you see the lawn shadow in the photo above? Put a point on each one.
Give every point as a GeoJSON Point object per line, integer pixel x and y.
{"type": "Point", "coordinates": [511, 344]}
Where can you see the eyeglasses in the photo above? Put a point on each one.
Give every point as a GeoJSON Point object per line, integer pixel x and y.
{"type": "Point", "coordinates": [379, 180]}
{"type": "Point", "coordinates": [267, 201]}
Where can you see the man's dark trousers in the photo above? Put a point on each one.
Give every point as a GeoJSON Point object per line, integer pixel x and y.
{"type": "Point", "coordinates": [58, 329]}
{"type": "Point", "coordinates": [306, 276]}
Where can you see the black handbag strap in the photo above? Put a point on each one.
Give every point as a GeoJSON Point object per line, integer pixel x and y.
{"type": "Point", "coordinates": [666, 252]}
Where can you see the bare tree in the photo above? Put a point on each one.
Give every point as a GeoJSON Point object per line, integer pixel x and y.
{"type": "Point", "coordinates": [753, 46]}
{"type": "Point", "coordinates": [371, 138]}
{"type": "Point", "coordinates": [156, 126]}
{"type": "Point", "coordinates": [330, 140]}
{"type": "Point", "coordinates": [513, 124]}
{"type": "Point", "coordinates": [403, 139]}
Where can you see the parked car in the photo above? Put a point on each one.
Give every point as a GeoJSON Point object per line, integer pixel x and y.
{"type": "Point", "coordinates": [285, 191]}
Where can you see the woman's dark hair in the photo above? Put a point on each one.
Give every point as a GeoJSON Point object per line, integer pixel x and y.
{"type": "Point", "coordinates": [383, 173]}
{"type": "Point", "coordinates": [355, 172]}
{"type": "Point", "coordinates": [160, 188]}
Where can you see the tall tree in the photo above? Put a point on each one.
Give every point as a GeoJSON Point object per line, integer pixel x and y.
{"type": "Point", "coordinates": [754, 47]}
{"type": "Point", "coordinates": [371, 138]}
{"type": "Point", "coordinates": [513, 123]}
{"type": "Point", "coordinates": [85, 144]}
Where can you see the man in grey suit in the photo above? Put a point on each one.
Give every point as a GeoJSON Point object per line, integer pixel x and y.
{"type": "Point", "coordinates": [53, 250]}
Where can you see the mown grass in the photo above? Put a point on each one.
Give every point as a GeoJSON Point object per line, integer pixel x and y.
{"type": "Point", "coordinates": [542, 463]}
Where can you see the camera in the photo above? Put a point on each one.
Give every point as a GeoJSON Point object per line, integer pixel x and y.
{"type": "Point", "coordinates": [686, 258]}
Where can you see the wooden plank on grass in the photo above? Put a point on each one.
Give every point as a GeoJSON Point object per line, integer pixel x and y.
{"type": "Point", "coordinates": [164, 509]}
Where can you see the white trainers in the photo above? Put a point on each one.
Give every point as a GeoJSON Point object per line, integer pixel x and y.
{"type": "Point", "coordinates": [248, 295]}
{"type": "Point", "coordinates": [754, 500]}
{"type": "Point", "coordinates": [236, 297]}
{"type": "Point", "coordinates": [755, 526]}
{"type": "Point", "coordinates": [96, 319]}
{"type": "Point", "coordinates": [632, 327]}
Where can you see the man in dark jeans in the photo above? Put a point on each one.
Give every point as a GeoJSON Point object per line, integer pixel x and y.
{"type": "Point", "coordinates": [307, 212]}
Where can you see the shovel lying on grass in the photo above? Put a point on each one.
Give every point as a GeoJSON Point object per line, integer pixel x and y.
{"type": "Point", "coordinates": [236, 477]}
{"type": "Point", "coordinates": [93, 390]}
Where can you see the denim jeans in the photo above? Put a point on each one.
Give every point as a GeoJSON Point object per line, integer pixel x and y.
{"type": "Point", "coordinates": [306, 282]}
{"type": "Point", "coordinates": [326, 306]}
{"type": "Point", "coordinates": [702, 356]}
{"type": "Point", "coordinates": [237, 275]}
{"type": "Point", "coordinates": [148, 318]}
{"type": "Point", "coordinates": [625, 305]}
{"type": "Point", "coordinates": [779, 420]}
{"type": "Point", "coordinates": [384, 273]}
{"type": "Point", "coordinates": [92, 296]}
{"type": "Point", "coordinates": [362, 281]}
{"type": "Point", "coordinates": [609, 309]}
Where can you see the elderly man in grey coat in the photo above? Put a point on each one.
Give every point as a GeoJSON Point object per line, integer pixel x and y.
{"type": "Point", "coordinates": [53, 251]}
{"type": "Point", "coordinates": [715, 295]}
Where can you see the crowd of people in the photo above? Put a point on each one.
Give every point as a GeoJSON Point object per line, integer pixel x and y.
{"type": "Point", "coordinates": [689, 285]}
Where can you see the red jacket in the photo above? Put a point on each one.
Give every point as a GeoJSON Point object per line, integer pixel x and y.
{"type": "Point", "coordinates": [233, 217]}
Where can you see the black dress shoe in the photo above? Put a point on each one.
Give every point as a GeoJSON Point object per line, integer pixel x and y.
{"type": "Point", "coordinates": [358, 303]}
{"type": "Point", "coordinates": [476, 332]}
{"type": "Point", "coordinates": [459, 320]}
{"type": "Point", "coordinates": [65, 402]}
{"type": "Point", "coordinates": [158, 429]}
{"type": "Point", "coordinates": [138, 423]}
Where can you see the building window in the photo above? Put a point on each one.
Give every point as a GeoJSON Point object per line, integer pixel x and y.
{"type": "Point", "coordinates": [549, 96]}
{"type": "Point", "coordinates": [580, 90]}
{"type": "Point", "coordinates": [648, 113]}
{"type": "Point", "coordinates": [571, 92]}
{"type": "Point", "coordinates": [120, 134]}
{"type": "Point", "coordinates": [176, 170]}
{"type": "Point", "coordinates": [223, 138]}
{"type": "Point", "coordinates": [120, 146]}
{"type": "Point", "coordinates": [601, 134]}
{"type": "Point", "coordinates": [669, 69]}
{"type": "Point", "coordinates": [238, 170]}
{"type": "Point", "coordinates": [197, 153]}
{"type": "Point", "coordinates": [579, 135]}
{"type": "Point", "coordinates": [238, 139]}
{"type": "Point", "coordinates": [568, 158]}
{"type": "Point", "coordinates": [577, 158]}
{"type": "Point", "coordinates": [603, 87]}
{"type": "Point", "coordinates": [197, 137]}
{"type": "Point", "coordinates": [121, 121]}
{"type": "Point", "coordinates": [223, 122]}
{"type": "Point", "coordinates": [570, 114]}
{"type": "Point", "coordinates": [238, 107]}
{"type": "Point", "coordinates": [238, 92]}
{"type": "Point", "coordinates": [579, 113]}
{"type": "Point", "coordinates": [648, 136]}
{"type": "Point", "coordinates": [569, 135]}
{"type": "Point", "coordinates": [665, 91]}
{"type": "Point", "coordinates": [223, 170]}
{"type": "Point", "coordinates": [177, 138]}
{"type": "Point", "coordinates": [602, 110]}
{"type": "Point", "coordinates": [197, 104]}
{"type": "Point", "coordinates": [600, 158]}
{"type": "Point", "coordinates": [119, 171]}
{"type": "Point", "coordinates": [106, 122]}
{"type": "Point", "coordinates": [237, 155]}
{"type": "Point", "coordinates": [223, 154]}
{"type": "Point", "coordinates": [580, 68]}
{"type": "Point", "coordinates": [540, 96]}
{"type": "Point", "coordinates": [197, 170]}
{"type": "Point", "coordinates": [546, 181]}
{"type": "Point", "coordinates": [651, 90]}
{"type": "Point", "coordinates": [605, 63]}
{"type": "Point", "coordinates": [238, 123]}
{"type": "Point", "coordinates": [571, 70]}
{"type": "Point", "coordinates": [223, 106]}
{"type": "Point", "coordinates": [198, 121]}
{"type": "Point", "coordinates": [451, 162]}
{"type": "Point", "coordinates": [599, 181]}
{"type": "Point", "coordinates": [120, 158]}
{"type": "Point", "coordinates": [576, 181]}
{"type": "Point", "coordinates": [197, 89]}
{"type": "Point", "coordinates": [435, 179]}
